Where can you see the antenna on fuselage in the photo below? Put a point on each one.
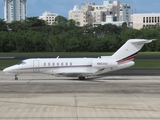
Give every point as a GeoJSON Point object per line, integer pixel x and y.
{"type": "Point", "coordinates": [57, 57]}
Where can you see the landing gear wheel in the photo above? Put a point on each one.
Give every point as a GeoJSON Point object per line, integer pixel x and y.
{"type": "Point", "coordinates": [16, 78]}
{"type": "Point", "coordinates": [81, 78]}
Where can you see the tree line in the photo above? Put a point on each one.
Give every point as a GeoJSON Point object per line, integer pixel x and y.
{"type": "Point", "coordinates": [34, 35]}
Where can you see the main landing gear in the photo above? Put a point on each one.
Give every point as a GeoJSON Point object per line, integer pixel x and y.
{"type": "Point", "coordinates": [81, 78]}
{"type": "Point", "coordinates": [16, 78]}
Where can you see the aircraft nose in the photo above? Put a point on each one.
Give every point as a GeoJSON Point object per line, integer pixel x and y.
{"type": "Point", "coordinates": [10, 70]}
{"type": "Point", "coordinates": [5, 70]}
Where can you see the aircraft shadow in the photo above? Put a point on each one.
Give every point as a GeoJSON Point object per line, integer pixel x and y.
{"type": "Point", "coordinates": [89, 79]}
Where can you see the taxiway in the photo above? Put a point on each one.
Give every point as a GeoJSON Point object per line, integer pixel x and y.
{"type": "Point", "coordinates": [45, 97]}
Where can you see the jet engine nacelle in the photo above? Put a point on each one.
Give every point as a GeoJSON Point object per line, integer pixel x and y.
{"type": "Point", "coordinates": [104, 63]}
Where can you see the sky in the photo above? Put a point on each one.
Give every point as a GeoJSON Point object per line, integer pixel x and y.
{"type": "Point", "coordinates": [62, 7]}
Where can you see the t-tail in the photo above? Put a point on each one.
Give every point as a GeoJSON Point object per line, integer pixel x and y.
{"type": "Point", "coordinates": [129, 50]}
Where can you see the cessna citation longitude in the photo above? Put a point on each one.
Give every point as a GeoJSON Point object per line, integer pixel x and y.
{"type": "Point", "coordinates": [81, 67]}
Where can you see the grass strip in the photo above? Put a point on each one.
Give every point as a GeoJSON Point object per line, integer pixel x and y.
{"type": "Point", "coordinates": [68, 54]}
{"type": "Point", "coordinates": [7, 63]}
{"type": "Point", "coordinates": [146, 63]}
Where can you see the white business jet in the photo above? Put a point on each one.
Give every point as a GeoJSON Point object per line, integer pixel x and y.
{"type": "Point", "coordinates": [81, 67]}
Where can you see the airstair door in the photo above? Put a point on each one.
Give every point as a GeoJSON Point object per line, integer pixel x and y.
{"type": "Point", "coordinates": [36, 66]}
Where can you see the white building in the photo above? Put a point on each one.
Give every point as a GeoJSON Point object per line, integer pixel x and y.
{"type": "Point", "coordinates": [83, 15]}
{"type": "Point", "coordinates": [48, 17]}
{"type": "Point", "coordinates": [90, 13]}
{"type": "Point", "coordinates": [109, 20]}
{"type": "Point", "coordinates": [14, 10]}
{"type": "Point", "coordinates": [142, 20]}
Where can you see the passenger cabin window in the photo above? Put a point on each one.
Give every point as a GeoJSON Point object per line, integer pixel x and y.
{"type": "Point", "coordinates": [57, 64]}
{"type": "Point", "coordinates": [61, 64]}
{"type": "Point", "coordinates": [70, 64]}
{"type": "Point", "coordinates": [49, 64]}
{"type": "Point", "coordinates": [53, 64]}
{"type": "Point", "coordinates": [44, 64]}
{"type": "Point", "coordinates": [66, 64]}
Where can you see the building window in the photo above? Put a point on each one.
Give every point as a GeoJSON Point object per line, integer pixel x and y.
{"type": "Point", "coordinates": [144, 26]}
{"type": "Point", "coordinates": [158, 19]}
{"type": "Point", "coordinates": [149, 19]}
{"type": "Point", "coordinates": [152, 19]}
{"type": "Point", "coordinates": [144, 20]}
{"type": "Point", "coordinates": [155, 19]}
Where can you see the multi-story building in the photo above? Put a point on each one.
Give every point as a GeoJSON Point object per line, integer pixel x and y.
{"type": "Point", "coordinates": [14, 10]}
{"type": "Point", "coordinates": [48, 17]}
{"type": "Point", "coordinates": [83, 15]}
{"type": "Point", "coordinates": [143, 20]}
{"type": "Point", "coordinates": [109, 20]}
{"type": "Point", "coordinates": [90, 13]}
{"type": "Point", "coordinates": [125, 12]}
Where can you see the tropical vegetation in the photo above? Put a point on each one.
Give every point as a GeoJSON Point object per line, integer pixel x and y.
{"type": "Point", "coordinates": [35, 35]}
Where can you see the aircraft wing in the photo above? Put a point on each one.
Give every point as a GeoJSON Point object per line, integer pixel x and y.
{"type": "Point", "coordinates": [76, 72]}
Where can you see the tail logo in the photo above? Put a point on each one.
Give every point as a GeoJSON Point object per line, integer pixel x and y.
{"type": "Point", "coordinates": [127, 59]}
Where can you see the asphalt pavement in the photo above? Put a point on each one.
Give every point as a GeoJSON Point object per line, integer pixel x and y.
{"type": "Point", "coordinates": [45, 97]}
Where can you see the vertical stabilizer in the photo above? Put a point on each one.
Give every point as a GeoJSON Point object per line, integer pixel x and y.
{"type": "Point", "coordinates": [129, 50]}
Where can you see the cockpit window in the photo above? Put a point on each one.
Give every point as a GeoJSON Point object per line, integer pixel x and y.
{"type": "Point", "coordinates": [21, 63]}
